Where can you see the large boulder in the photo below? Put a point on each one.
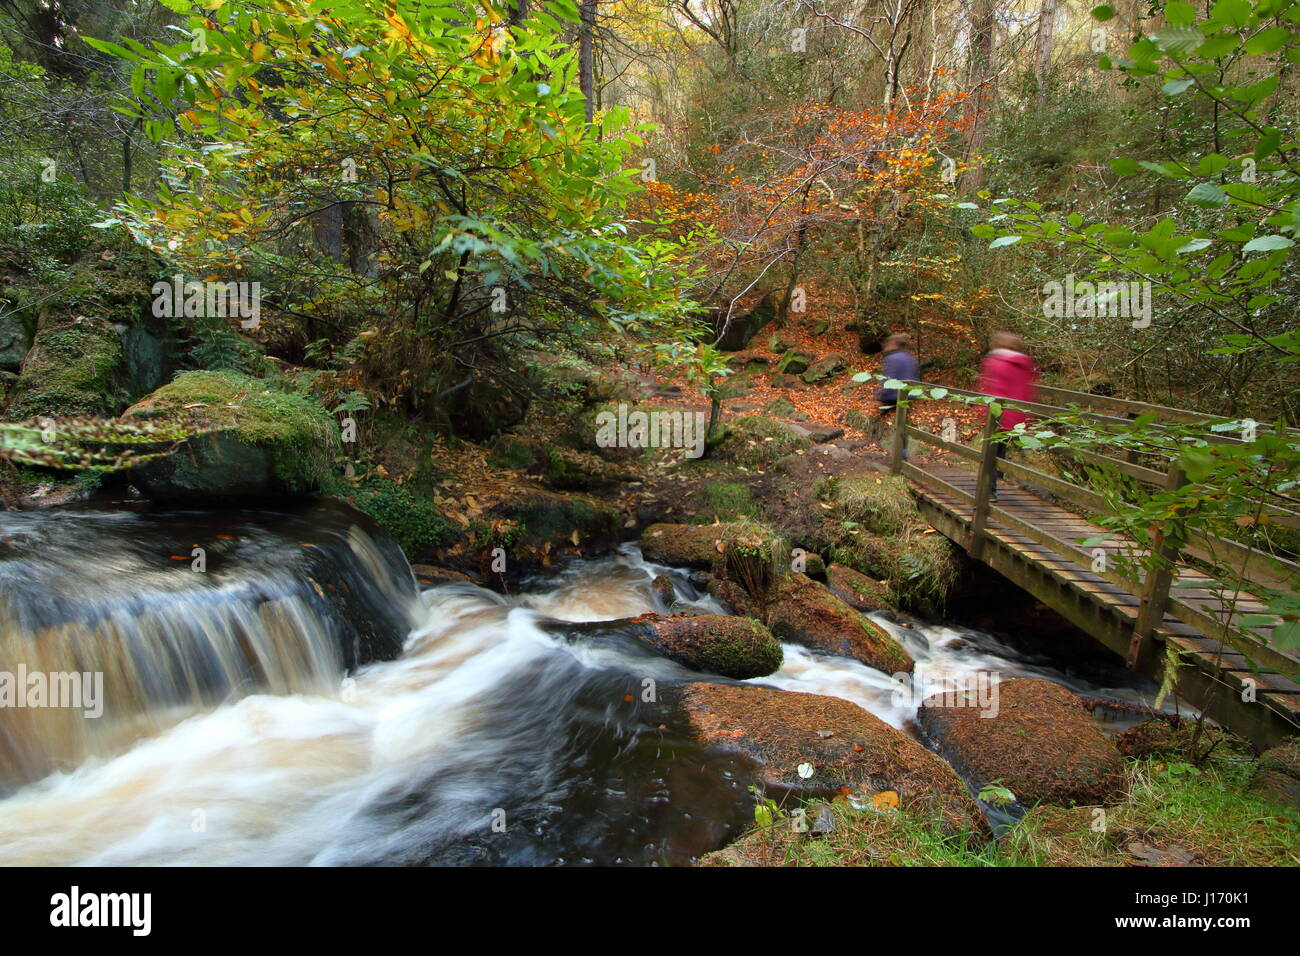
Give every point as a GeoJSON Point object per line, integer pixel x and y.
{"type": "Point", "coordinates": [254, 440]}
{"type": "Point", "coordinates": [563, 469]}
{"type": "Point", "coordinates": [805, 612]}
{"type": "Point", "coordinates": [1034, 737]}
{"type": "Point", "coordinates": [823, 369]}
{"type": "Point", "coordinates": [758, 442]}
{"type": "Point", "coordinates": [734, 647]}
{"type": "Point", "coordinates": [837, 744]}
{"type": "Point", "coordinates": [15, 340]}
{"type": "Point", "coordinates": [96, 346]}
{"type": "Point", "coordinates": [686, 545]}
{"type": "Point", "coordinates": [737, 334]}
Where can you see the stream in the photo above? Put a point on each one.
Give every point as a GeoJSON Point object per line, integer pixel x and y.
{"type": "Point", "coordinates": [230, 735]}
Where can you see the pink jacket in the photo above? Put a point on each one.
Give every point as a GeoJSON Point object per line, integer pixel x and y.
{"type": "Point", "coordinates": [1009, 374]}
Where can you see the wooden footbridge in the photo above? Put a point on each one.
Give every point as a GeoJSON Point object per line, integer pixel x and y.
{"type": "Point", "coordinates": [1132, 604]}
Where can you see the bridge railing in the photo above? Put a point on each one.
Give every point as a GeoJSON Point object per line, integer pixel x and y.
{"type": "Point", "coordinates": [1155, 587]}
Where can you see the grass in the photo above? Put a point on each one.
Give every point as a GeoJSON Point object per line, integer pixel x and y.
{"type": "Point", "coordinates": [880, 503]}
{"type": "Point", "coordinates": [1209, 814]}
{"type": "Point", "coordinates": [728, 501]}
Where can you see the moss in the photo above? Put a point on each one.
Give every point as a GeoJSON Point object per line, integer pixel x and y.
{"type": "Point", "coordinates": [70, 371]}
{"type": "Point", "coordinates": [298, 433]}
{"type": "Point", "coordinates": [416, 525]}
{"type": "Point", "coordinates": [880, 503]}
{"type": "Point", "coordinates": [726, 501]}
{"type": "Point", "coordinates": [758, 442]}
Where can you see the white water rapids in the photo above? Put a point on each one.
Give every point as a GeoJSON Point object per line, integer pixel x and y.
{"type": "Point", "coordinates": [484, 715]}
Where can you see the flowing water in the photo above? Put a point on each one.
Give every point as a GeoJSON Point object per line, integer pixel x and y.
{"type": "Point", "coordinates": [230, 734]}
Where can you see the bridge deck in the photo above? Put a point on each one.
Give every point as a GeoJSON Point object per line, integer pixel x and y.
{"type": "Point", "coordinates": [1108, 611]}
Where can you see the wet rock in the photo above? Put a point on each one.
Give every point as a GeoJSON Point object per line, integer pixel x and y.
{"type": "Point", "coordinates": [856, 589]}
{"type": "Point", "coordinates": [778, 730]}
{"type": "Point", "coordinates": [663, 588]}
{"type": "Point", "coordinates": [426, 575]}
{"type": "Point", "coordinates": [1277, 776]}
{"type": "Point", "coordinates": [818, 434]}
{"type": "Point", "coordinates": [783, 408]}
{"type": "Point", "coordinates": [734, 647]}
{"type": "Point", "coordinates": [1036, 740]}
{"type": "Point", "coordinates": [805, 612]}
{"type": "Point", "coordinates": [683, 545]}
{"type": "Point", "coordinates": [733, 597]}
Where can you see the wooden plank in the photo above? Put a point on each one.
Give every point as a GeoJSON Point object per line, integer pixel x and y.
{"type": "Point", "coordinates": [964, 451]}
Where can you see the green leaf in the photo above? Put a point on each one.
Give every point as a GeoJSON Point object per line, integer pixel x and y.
{"type": "Point", "coordinates": [1286, 636]}
{"type": "Point", "coordinates": [1207, 194]}
{"type": "Point", "coordinates": [1180, 13]}
{"type": "Point", "coordinates": [1268, 41]}
{"type": "Point", "coordinates": [1178, 41]}
{"type": "Point", "coordinates": [1268, 244]}
{"type": "Point", "coordinates": [1103, 13]}
{"type": "Point", "coordinates": [1124, 166]}
{"type": "Point", "coordinates": [1174, 87]}
{"type": "Point", "coordinates": [1198, 463]}
{"type": "Point", "coordinates": [1001, 241]}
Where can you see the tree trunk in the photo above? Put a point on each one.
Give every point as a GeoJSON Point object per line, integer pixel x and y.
{"type": "Point", "coordinates": [1043, 58]}
{"type": "Point", "coordinates": [980, 80]}
{"type": "Point", "coordinates": [587, 54]}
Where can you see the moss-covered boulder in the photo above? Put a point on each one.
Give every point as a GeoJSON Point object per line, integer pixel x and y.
{"type": "Point", "coordinates": [805, 612]}
{"type": "Point", "coordinates": [837, 744]}
{"type": "Point", "coordinates": [794, 362]}
{"type": "Point", "coordinates": [256, 440]}
{"type": "Point", "coordinates": [1033, 737]}
{"type": "Point", "coordinates": [95, 345]}
{"type": "Point", "coordinates": [735, 334]}
{"type": "Point", "coordinates": [1277, 775]}
{"type": "Point", "coordinates": [15, 340]}
{"type": "Point", "coordinates": [857, 590]}
{"type": "Point", "coordinates": [734, 647]}
{"type": "Point", "coordinates": [824, 369]}
{"type": "Point", "coordinates": [783, 408]}
{"type": "Point", "coordinates": [684, 545]}
{"type": "Point", "coordinates": [758, 442]}
{"type": "Point", "coordinates": [536, 524]}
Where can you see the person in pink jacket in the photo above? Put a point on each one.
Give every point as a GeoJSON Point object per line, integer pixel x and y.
{"type": "Point", "coordinates": [1008, 372]}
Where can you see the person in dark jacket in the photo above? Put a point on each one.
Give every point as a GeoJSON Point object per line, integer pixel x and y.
{"type": "Point", "coordinates": [898, 363]}
{"type": "Point", "coordinates": [1008, 372]}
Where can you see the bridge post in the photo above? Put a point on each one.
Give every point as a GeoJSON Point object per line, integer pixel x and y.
{"type": "Point", "coordinates": [983, 487]}
{"type": "Point", "coordinates": [898, 441]}
{"type": "Point", "coordinates": [1155, 591]}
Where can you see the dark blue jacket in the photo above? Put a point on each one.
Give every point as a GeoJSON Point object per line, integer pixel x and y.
{"type": "Point", "coordinates": [900, 364]}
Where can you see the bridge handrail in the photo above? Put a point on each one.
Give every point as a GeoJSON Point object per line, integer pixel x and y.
{"type": "Point", "coordinates": [1155, 588]}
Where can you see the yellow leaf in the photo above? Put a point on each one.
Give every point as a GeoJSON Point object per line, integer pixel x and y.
{"type": "Point", "coordinates": [259, 52]}
{"type": "Point", "coordinates": [885, 800]}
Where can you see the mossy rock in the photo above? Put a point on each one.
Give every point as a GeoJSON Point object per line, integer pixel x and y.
{"type": "Point", "coordinates": [1033, 737]}
{"type": "Point", "coordinates": [257, 440]}
{"type": "Point", "coordinates": [1173, 738]}
{"type": "Point", "coordinates": [806, 612]}
{"type": "Point", "coordinates": [841, 744]}
{"type": "Point", "coordinates": [75, 367]}
{"type": "Point", "coordinates": [727, 501]}
{"type": "Point", "coordinates": [824, 369]}
{"type": "Point", "coordinates": [15, 340]}
{"type": "Point", "coordinates": [794, 363]}
{"type": "Point", "coordinates": [778, 344]}
{"type": "Point", "coordinates": [857, 590]}
{"type": "Point", "coordinates": [544, 522]}
{"type": "Point", "coordinates": [95, 346]}
{"type": "Point", "coordinates": [684, 545]}
{"type": "Point", "coordinates": [563, 469]}
{"type": "Point", "coordinates": [882, 504]}
{"type": "Point", "coordinates": [735, 647]}
{"type": "Point", "coordinates": [758, 442]}
{"type": "Point", "coordinates": [783, 408]}
{"type": "Point", "coordinates": [415, 524]}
